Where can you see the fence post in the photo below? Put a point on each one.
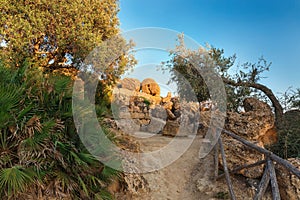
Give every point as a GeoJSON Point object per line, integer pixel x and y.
{"type": "Point", "coordinates": [274, 184]}
{"type": "Point", "coordinates": [263, 184]}
{"type": "Point", "coordinates": [216, 161]}
{"type": "Point", "coordinates": [227, 176]}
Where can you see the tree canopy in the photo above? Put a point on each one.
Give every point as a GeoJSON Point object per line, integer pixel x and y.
{"type": "Point", "coordinates": [243, 83]}
{"type": "Point", "coordinates": [54, 34]}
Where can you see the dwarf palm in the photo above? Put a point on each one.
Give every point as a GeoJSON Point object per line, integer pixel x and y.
{"type": "Point", "coordinates": [41, 153]}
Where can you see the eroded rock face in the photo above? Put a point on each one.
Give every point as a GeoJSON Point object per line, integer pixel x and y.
{"type": "Point", "coordinates": [253, 125]}
{"type": "Point", "coordinates": [132, 84]}
{"type": "Point", "coordinates": [289, 184]}
{"type": "Point", "coordinates": [149, 86]}
{"type": "Point", "coordinates": [182, 118]}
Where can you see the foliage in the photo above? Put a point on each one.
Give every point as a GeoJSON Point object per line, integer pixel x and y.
{"type": "Point", "coordinates": [183, 69]}
{"type": "Point", "coordinates": [52, 33]}
{"type": "Point", "coordinates": [290, 99]}
{"type": "Point", "coordinates": [59, 36]}
{"type": "Point", "coordinates": [288, 145]}
{"type": "Point", "coordinates": [188, 64]}
{"type": "Point", "coordinates": [295, 98]}
{"type": "Point", "coordinates": [40, 150]}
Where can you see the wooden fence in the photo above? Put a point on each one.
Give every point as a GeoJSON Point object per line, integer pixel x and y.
{"type": "Point", "coordinates": [269, 175]}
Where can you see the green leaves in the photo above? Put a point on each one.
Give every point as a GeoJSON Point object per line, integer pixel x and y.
{"type": "Point", "coordinates": [15, 179]}
{"type": "Point", "coordinates": [39, 145]}
{"type": "Point", "coordinates": [45, 31]}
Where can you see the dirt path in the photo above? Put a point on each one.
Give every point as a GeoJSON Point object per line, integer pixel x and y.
{"type": "Point", "coordinates": [187, 178]}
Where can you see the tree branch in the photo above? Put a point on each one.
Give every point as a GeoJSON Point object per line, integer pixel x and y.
{"type": "Point", "coordinates": [277, 106]}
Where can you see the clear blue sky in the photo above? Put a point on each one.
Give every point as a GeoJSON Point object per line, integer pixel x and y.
{"type": "Point", "coordinates": [249, 28]}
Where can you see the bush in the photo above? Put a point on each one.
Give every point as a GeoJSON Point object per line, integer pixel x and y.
{"type": "Point", "coordinates": [288, 145]}
{"type": "Point", "coordinates": [40, 150]}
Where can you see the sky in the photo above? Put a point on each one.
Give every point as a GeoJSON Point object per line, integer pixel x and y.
{"type": "Point", "coordinates": [248, 28]}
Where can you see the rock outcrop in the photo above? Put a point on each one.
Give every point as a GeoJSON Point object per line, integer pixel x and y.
{"type": "Point", "coordinates": [145, 110]}
{"type": "Point", "coordinates": [149, 86]}
{"type": "Point", "coordinates": [136, 106]}
{"type": "Point", "coordinates": [289, 184]}
{"type": "Point", "coordinates": [182, 118]}
{"type": "Point", "coordinates": [255, 125]}
{"type": "Point", "coordinates": [132, 84]}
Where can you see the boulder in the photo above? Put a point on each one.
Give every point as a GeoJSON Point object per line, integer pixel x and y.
{"type": "Point", "coordinates": [122, 96]}
{"type": "Point", "coordinates": [167, 98]}
{"type": "Point", "coordinates": [189, 122]}
{"type": "Point", "coordinates": [170, 115]}
{"type": "Point", "coordinates": [253, 125]}
{"type": "Point", "coordinates": [168, 105]}
{"type": "Point", "coordinates": [289, 184]}
{"type": "Point", "coordinates": [128, 125]}
{"type": "Point", "coordinates": [149, 86]}
{"type": "Point", "coordinates": [182, 119]}
{"type": "Point", "coordinates": [171, 128]}
{"type": "Point", "coordinates": [158, 112]}
{"type": "Point", "coordinates": [156, 125]}
{"type": "Point", "coordinates": [131, 84]}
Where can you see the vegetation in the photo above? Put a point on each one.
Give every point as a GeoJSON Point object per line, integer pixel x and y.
{"type": "Point", "coordinates": [191, 65]}
{"type": "Point", "coordinates": [55, 34]}
{"type": "Point", "coordinates": [43, 44]}
{"type": "Point", "coordinates": [41, 153]}
{"type": "Point", "coordinates": [288, 145]}
{"type": "Point", "coordinates": [58, 36]}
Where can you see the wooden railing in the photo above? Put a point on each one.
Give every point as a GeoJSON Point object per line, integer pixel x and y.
{"type": "Point", "coordinates": [269, 175]}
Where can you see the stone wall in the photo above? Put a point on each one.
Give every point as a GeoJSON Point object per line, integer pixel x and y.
{"type": "Point", "coordinates": [143, 109]}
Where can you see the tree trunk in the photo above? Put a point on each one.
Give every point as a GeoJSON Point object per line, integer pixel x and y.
{"type": "Point", "coordinates": [277, 106]}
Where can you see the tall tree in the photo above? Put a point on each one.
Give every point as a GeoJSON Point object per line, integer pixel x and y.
{"type": "Point", "coordinates": [238, 86]}
{"type": "Point", "coordinates": [55, 34]}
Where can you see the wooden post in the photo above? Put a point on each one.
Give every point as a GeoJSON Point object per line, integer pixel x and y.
{"type": "Point", "coordinates": [216, 161]}
{"type": "Point", "coordinates": [227, 176]}
{"type": "Point", "coordinates": [263, 184]}
{"type": "Point", "coordinates": [272, 156]}
{"type": "Point", "coordinates": [235, 170]}
{"type": "Point", "coordinates": [274, 184]}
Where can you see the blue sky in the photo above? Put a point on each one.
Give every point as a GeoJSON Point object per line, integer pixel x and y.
{"type": "Point", "coordinates": [249, 28]}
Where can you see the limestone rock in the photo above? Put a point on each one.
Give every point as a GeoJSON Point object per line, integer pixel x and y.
{"type": "Point", "coordinates": [151, 100]}
{"type": "Point", "coordinates": [156, 125]}
{"type": "Point", "coordinates": [183, 119]}
{"type": "Point", "coordinates": [167, 98]}
{"type": "Point", "coordinates": [254, 123]}
{"type": "Point", "coordinates": [253, 104]}
{"type": "Point", "coordinates": [171, 128]}
{"type": "Point", "coordinates": [128, 125]}
{"type": "Point", "coordinates": [188, 122]}
{"type": "Point", "coordinates": [131, 84]}
{"type": "Point", "coordinates": [158, 112]}
{"type": "Point", "coordinates": [149, 86]}
{"type": "Point", "coordinates": [237, 154]}
{"type": "Point", "coordinates": [171, 115]}
{"type": "Point", "coordinates": [122, 96]}
{"type": "Point", "coordinates": [168, 105]}
{"type": "Point", "coordinates": [289, 184]}
{"type": "Point", "coordinates": [253, 126]}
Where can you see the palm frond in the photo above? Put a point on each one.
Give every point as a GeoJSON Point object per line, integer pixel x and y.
{"type": "Point", "coordinates": [14, 180]}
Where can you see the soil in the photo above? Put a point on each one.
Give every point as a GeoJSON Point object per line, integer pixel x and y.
{"type": "Point", "coordinates": [189, 177]}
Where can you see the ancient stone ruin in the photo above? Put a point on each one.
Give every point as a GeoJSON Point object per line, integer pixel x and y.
{"type": "Point", "coordinates": [138, 106]}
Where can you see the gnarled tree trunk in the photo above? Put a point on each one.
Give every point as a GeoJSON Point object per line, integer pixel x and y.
{"type": "Point", "coordinates": [277, 106]}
